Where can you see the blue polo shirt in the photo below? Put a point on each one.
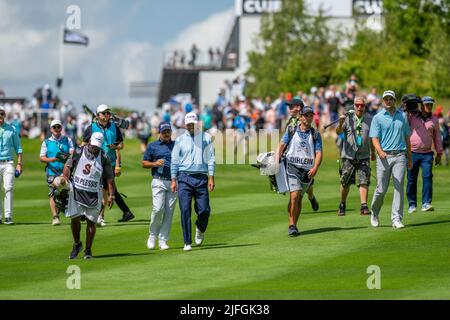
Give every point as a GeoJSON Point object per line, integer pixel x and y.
{"type": "Point", "coordinates": [392, 131]}
{"type": "Point", "coordinates": [160, 150]}
{"type": "Point", "coordinates": [9, 142]}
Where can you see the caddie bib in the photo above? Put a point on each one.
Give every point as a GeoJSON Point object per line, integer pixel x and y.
{"type": "Point", "coordinates": [300, 151]}
{"type": "Point", "coordinates": [87, 179]}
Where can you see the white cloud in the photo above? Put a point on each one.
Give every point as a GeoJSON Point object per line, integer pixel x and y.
{"type": "Point", "coordinates": [99, 73]}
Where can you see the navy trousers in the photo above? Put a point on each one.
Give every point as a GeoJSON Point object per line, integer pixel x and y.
{"type": "Point", "coordinates": [193, 187]}
{"type": "Point", "coordinates": [424, 161]}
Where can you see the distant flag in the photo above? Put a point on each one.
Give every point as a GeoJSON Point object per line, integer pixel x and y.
{"type": "Point", "coordinates": [74, 37]}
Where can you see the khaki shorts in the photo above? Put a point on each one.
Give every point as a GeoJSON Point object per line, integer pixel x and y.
{"type": "Point", "coordinates": [298, 179]}
{"type": "Point", "coordinates": [352, 167]}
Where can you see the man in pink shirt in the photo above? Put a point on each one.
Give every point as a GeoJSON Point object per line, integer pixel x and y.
{"type": "Point", "coordinates": [424, 134]}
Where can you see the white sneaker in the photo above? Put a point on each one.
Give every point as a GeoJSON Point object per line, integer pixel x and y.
{"type": "Point", "coordinates": [412, 209]}
{"type": "Point", "coordinates": [56, 221]}
{"type": "Point", "coordinates": [151, 242]}
{"type": "Point", "coordinates": [427, 207]}
{"type": "Point", "coordinates": [187, 247]}
{"type": "Point", "coordinates": [374, 221]}
{"type": "Point", "coordinates": [163, 245]}
{"type": "Point", "coordinates": [199, 236]}
{"type": "Point", "coordinates": [101, 222]}
{"type": "Point", "coordinates": [397, 225]}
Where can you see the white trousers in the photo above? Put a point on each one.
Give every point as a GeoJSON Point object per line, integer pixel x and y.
{"type": "Point", "coordinates": [164, 201]}
{"type": "Point", "coordinates": [7, 176]}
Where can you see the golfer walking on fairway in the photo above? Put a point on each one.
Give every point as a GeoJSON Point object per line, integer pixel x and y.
{"type": "Point", "coordinates": [192, 162]}
{"type": "Point", "coordinates": [10, 144]}
{"type": "Point", "coordinates": [390, 133]}
{"type": "Point", "coordinates": [157, 157]}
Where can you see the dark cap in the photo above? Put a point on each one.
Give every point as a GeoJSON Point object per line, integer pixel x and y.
{"type": "Point", "coordinates": [307, 110]}
{"type": "Point", "coordinates": [296, 101]}
{"type": "Point", "coordinates": [164, 126]}
{"type": "Point", "coordinates": [411, 97]}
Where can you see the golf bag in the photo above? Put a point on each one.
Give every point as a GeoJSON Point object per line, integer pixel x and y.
{"type": "Point", "coordinates": [267, 166]}
{"type": "Point", "coordinates": [61, 199]}
{"type": "Point", "coordinates": [59, 192]}
{"type": "Point", "coordinates": [60, 187]}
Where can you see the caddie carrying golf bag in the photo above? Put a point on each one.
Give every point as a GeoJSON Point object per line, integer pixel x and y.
{"type": "Point", "coordinates": [59, 192]}
{"type": "Point", "coordinates": [267, 166]}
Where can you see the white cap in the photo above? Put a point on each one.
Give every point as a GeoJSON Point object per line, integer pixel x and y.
{"type": "Point", "coordinates": [389, 93]}
{"type": "Point", "coordinates": [191, 117]}
{"type": "Point", "coordinates": [2, 108]}
{"type": "Point", "coordinates": [97, 139]}
{"type": "Point", "coordinates": [55, 122]}
{"type": "Point", "coordinates": [102, 108]}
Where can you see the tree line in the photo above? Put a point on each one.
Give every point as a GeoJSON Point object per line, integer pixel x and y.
{"type": "Point", "coordinates": [296, 50]}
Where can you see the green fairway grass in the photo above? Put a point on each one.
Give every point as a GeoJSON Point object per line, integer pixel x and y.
{"type": "Point", "coordinates": [246, 254]}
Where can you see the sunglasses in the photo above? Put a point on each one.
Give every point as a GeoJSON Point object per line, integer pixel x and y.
{"type": "Point", "coordinates": [2, 114]}
{"type": "Point", "coordinates": [105, 113]}
{"type": "Point", "coordinates": [359, 105]}
{"type": "Point", "coordinates": [57, 127]}
{"type": "Point", "coordinates": [291, 106]}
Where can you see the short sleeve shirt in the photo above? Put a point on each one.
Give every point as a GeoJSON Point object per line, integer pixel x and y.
{"type": "Point", "coordinates": [160, 150]}
{"type": "Point", "coordinates": [350, 148]}
{"type": "Point", "coordinates": [392, 131]}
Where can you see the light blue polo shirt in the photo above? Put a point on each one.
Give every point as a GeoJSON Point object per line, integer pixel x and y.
{"type": "Point", "coordinates": [193, 154]}
{"type": "Point", "coordinates": [9, 142]}
{"type": "Point", "coordinates": [390, 130]}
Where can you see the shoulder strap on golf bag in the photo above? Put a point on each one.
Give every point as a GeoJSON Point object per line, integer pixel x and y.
{"type": "Point", "coordinates": [314, 132]}
{"type": "Point", "coordinates": [77, 156]}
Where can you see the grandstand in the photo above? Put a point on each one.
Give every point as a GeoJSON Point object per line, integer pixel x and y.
{"type": "Point", "coordinates": [203, 80]}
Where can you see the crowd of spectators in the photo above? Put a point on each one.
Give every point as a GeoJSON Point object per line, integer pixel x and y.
{"type": "Point", "coordinates": [32, 117]}
{"type": "Point", "coordinates": [196, 57]}
{"type": "Point", "coordinates": [231, 110]}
